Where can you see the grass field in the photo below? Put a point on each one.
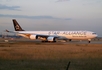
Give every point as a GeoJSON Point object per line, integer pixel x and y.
{"type": "Point", "coordinates": [31, 56]}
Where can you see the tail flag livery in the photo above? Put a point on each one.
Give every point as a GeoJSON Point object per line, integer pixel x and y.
{"type": "Point", "coordinates": [17, 27]}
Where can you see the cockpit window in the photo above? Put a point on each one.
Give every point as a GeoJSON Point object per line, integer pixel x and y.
{"type": "Point", "coordinates": [94, 33]}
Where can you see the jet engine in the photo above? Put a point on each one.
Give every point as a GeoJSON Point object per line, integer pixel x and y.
{"type": "Point", "coordinates": [52, 39]}
{"type": "Point", "coordinates": [33, 37]}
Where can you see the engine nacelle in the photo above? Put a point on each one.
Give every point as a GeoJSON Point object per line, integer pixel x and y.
{"type": "Point", "coordinates": [33, 37]}
{"type": "Point", "coordinates": [51, 39]}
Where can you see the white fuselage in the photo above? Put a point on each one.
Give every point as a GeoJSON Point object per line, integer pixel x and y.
{"type": "Point", "coordinates": [80, 35]}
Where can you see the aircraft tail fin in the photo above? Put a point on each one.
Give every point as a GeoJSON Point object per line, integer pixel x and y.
{"type": "Point", "coordinates": [17, 27]}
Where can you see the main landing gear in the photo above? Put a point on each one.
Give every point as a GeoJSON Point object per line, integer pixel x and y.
{"type": "Point", "coordinates": [45, 41]}
{"type": "Point", "coordinates": [70, 40]}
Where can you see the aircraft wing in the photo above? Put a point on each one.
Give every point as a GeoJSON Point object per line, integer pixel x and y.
{"type": "Point", "coordinates": [34, 35]}
{"type": "Point", "coordinates": [41, 35]}
{"type": "Point", "coordinates": [44, 35]}
{"type": "Point", "coordinates": [9, 31]}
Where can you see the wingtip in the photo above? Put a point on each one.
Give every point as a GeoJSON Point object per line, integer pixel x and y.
{"type": "Point", "coordinates": [6, 30]}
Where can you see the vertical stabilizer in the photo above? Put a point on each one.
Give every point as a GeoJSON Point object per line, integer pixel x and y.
{"type": "Point", "coordinates": [17, 27]}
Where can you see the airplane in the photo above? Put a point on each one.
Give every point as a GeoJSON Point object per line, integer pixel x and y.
{"type": "Point", "coordinates": [53, 36]}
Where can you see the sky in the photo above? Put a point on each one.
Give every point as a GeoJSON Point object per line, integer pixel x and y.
{"type": "Point", "coordinates": [68, 15]}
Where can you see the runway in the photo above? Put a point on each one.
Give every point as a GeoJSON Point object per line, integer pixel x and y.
{"type": "Point", "coordinates": [84, 42]}
{"type": "Point", "coordinates": [58, 42]}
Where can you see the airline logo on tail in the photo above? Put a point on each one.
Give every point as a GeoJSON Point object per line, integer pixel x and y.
{"type": "Point", "coordinates": [17, 26]}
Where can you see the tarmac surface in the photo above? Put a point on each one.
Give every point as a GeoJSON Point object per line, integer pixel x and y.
{"type": "Point", "coordinates": [85, 42]}
{"type": "Point", "coordinates": [58, 42]}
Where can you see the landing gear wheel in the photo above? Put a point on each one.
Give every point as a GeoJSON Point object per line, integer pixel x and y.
{"type": "Point", "coordinates": [54, 41]}
{"type": "Point", "coordinates": [89, 40]}
{"type": "Point", "coordinates": [70, 40]}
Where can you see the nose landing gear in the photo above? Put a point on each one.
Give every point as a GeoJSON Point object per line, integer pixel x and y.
{"type": "Point", "coordinates": [89, 40]}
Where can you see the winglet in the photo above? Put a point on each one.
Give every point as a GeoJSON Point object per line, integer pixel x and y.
{"type": "Point", "coordinates": [6, 30]}
{"type": "Point", "coordinates": [9, 31]}
{"type": "Point", "coordinates": [17, 27]}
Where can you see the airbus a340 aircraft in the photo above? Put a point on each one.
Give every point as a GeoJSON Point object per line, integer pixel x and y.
{"type": "Point", "coordinates": [52, 36]}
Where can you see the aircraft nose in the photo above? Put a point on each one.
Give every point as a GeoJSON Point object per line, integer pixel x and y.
{"type": "Point", "coordinates": [96, 35]}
